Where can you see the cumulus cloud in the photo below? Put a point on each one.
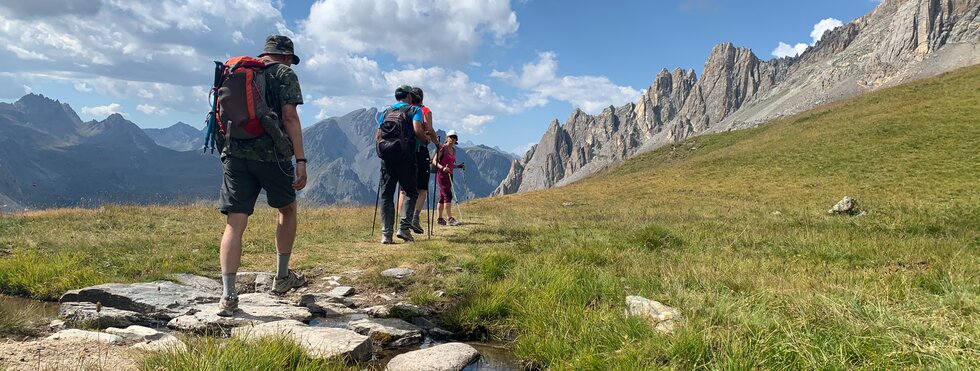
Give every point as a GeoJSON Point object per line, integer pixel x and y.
{"type": "Point", "coordinates": [102, 111]}
{"type": "Point", "coordinates": [787, 50]}
{"type": "Point", "coordinates": [459, 102]}
{"type": "Point", "coordinates": [454, 29]}
{"type": "Point", "coordinates": [589, 93]}
{"type": "Point", "coordinates": [151, 110]}
{"type": "Point", "coordinates": [823, 26]}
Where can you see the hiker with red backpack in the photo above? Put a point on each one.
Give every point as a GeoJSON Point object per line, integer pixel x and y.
{"type": "Point", "coordinates": [397, 139]}
{"type": "Point", "coordinates": [255, 127]}
{"type": "Point", "coordinates": [422, 159]}
{"type": "Point", "coordinates": [445, 162]}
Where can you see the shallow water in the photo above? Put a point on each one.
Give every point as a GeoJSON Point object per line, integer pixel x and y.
{"type": "Point", "coordinates": [37, 311]}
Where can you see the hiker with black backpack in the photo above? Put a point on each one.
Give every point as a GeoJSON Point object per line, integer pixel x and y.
{"type": "Point", "coordinates": [255, 127]}
{"type": "Point", "coordinates": [422, 159]}
{"type": "Point", "coordinates": [399, 127]}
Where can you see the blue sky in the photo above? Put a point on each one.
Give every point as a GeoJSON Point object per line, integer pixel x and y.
{"type": "Point", "coordinates": [497, 71]}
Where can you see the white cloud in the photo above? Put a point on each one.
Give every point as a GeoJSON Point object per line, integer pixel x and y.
{"type": "Point", "coordinates": [453, 29]}
{"type": "Point", "coordinates": [786, 50]}
{"type": "Point", "coordinates": [592, 94]}
{"type": "Point", "coordinates": [102, 111]}
{"type": "Point", "coordinates": [340, 105]}
{"type": "Point", "coordinates": [27, 89]}
{"type": "Point", "coordinates": [458, 102]}
{"type": "Point", "coordinates": [522, 150]}
{"type": "Point", "coordinates": [152, 110]}
{"type": "Point", "coordinates": [82, 87]}
{"type": "Point", "coordinates": [823, 26]}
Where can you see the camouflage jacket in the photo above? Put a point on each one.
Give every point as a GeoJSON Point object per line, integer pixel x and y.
{"type": "Point", "coordinates": [282, 87]}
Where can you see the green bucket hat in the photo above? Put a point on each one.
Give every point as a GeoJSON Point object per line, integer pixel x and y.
{"type": "Point", "coordinates": [279, 44]}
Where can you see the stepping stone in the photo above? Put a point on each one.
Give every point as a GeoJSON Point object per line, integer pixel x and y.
{"type": "Point", "coordinates": [326, 304]}
{"type": "Point", "coordinates": [388, 332]}
{"type": "Point", "coordinates": [254, 282]}
{"type": "Point", "coordinates": [148, 339]}
{"type": "Point", "coordinates": [160, 300]}
{"type": "Point", "coordinates": [319, 342]}
{"type": "Point", "coordinates": [88, 315]}
{"type": "Point", "coordinates": [341, 291]}
{"type": "Point", "coordinates": [444, 357]}
{"type": "Point", "coordinates": [201, 283]}
{"type": "Point", "coordinates": [253, 309]}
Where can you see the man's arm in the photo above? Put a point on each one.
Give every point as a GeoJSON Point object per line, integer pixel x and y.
{"type": "Point", "coordinates": [290, 120]}
{"type": "Point", "coordinates": [420, 131]}
{"type": "Point", "coordinates": [431, 130]}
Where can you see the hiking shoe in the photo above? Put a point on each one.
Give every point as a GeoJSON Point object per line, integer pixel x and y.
{"type": "Point", "coordinates": [442, 221]}
{"type": "Point", "coordinates": [405, 235]}
{"type": "Point", "coordinates": [386, 240]}
{"type": "Point", "coordinates": [291, 281]}
{"type": "Point", "coordinates": [453, 222]}
{"type": "Point", "coordinates": [228, 306]}
{"type": "Point", "coordinates": [416, 227]}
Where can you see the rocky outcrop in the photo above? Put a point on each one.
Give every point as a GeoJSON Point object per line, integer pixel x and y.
{"type": "Point", "coordinates": [254, 308]}
{"type": "Point", "coordinates": [661, 317]}
{"type": "Point", "coordinates": [388, 332]}
{"type": "Point", "coordinates": [899, 41]}
{"type": "Point", "coordinates": [160, 300]}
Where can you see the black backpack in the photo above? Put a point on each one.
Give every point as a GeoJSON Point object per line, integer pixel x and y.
{"type": "Point", "coordinates": [396, 134]}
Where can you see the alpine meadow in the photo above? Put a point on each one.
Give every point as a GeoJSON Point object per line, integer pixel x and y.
{"type": "Point", "coordinates": [730, 228]}
{"type": "Point", "coordinates": [388, 185]}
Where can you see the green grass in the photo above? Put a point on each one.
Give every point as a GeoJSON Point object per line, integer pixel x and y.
{"type": "Point", "coordinates": [210, 354]}
{"type": "Point", "coordinates": [732, 229]}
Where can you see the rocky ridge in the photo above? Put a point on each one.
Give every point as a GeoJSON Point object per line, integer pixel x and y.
{"type": "Point", "coordinates": [900, 41]}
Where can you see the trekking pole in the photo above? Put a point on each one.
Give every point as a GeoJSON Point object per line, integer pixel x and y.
{"type": "Point", "coordinates": [377, 199]}
{"type": "Point", "coordinates": [428, 214]}
{"type": "Point", "coordinates": [452, 181]}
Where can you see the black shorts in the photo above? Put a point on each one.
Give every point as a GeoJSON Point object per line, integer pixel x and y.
{"type": "Point", "coordinates": [244, 179]}
{"type": "Point", "coordinates": [423, 163]}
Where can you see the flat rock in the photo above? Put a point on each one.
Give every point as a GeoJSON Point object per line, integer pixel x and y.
{"type": "Point", "coordinates": [148, 339]}
{"type": "Point", "coordinates": [199, 282]}
{"type": "Point", "coordinates": [326, 304]}
{"type": "Point", "coordinates": [401, 310]}
{"type": "Point", "coordinates": [253, 309]}
{"type": "Point", "coordinates": [444, 357]}
{"type": "Point", "coordinates": [84, 314]}
{"type": "Point", "coordinates": [160, 300]}
{"type": "Point", "coordinates": [77, 335]}
{"type": "Point", "coordinates": [660, 316]}
{"type": "Point", "coordinates": [319, 342]}
{"type": "Point", "coordinates": [388, 332]}
{"type": "Point", "coordinates": [342, 291]}
{"type": "Point", "coordinates": [398, 273]}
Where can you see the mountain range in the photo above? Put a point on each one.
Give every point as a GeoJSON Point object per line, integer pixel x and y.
{"type": "Point", "coordinates": [900, 41]}
{"type": "Point", "coordinates": [50, 158]}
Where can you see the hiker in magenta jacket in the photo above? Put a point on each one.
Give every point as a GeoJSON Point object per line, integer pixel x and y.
{"type": "Point", "coordinates": [445, 162]}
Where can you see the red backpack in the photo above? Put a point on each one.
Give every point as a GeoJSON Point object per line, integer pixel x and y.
{"type": "Point", "coordinates": [241, 95]}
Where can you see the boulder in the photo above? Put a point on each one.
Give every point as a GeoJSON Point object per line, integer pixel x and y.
{"type": "Point", "coordinates": [164, 344]}
{"type": "Point", "coordinates": [76, 335]}
{"type": "Point", "coordinates": [252, 282]}
{"type": "Point", "coordinates": [847, 205]}
{"type": "Point", "coordinates": [90, 315]}
{"type": "Point", "coordinates": [161, 300]}
{"type": "Point", "coordinates": [401, 310]}
{"type": "Point", "coordinates": [660, 316]}
{"type": "Point", "coordinates": [319, 342]}
{"type": "Point", "coordinates": [444, 357]}
{"type": "Point", "coordinates": [253, 309]}
{"type": "Point", "coordinates": [398, 273]}
{"type": "Point", "coordinates": [388, 332]}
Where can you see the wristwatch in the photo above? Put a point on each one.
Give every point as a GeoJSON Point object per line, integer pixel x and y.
{"type": "Point", "coordinates": [298, 160]}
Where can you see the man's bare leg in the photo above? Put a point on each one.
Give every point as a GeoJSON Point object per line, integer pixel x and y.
{"type": "Point", "coordinates": [285, 237]}
{"type": "Point", "coordinates": [231, 251]}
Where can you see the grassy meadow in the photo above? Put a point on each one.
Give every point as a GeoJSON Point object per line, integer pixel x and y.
{"type": "Point", "coordinates": [732, 229]}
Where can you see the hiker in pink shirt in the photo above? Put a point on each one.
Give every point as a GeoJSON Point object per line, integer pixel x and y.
{"type": "Point", "coordinates": [445, 162]}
